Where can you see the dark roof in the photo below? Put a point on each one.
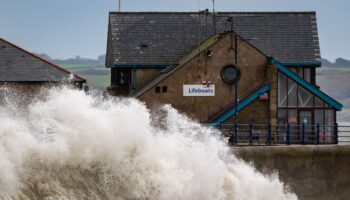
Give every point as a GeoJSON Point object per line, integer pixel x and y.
{"type": "Point", "coordinates": [19, 65]}
{"type": "Point", "coordinates": [164, 37]}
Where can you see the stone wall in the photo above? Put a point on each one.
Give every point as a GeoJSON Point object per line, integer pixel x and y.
{"type": "Point", "coordinates": [312, 172]}
{"type": "Point", "coordinates": [257, 112]}
{"type": "Point", "coordinates": [251, 62]}
{"type": "Point", "coordinates": [145, 74]}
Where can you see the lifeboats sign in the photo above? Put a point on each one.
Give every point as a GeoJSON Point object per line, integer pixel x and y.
{"type": "Point", "coordinates": [199, 90]}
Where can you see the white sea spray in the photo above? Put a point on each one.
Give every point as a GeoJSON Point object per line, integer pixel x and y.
{"type": "Point", "coordinates": [70, 145]}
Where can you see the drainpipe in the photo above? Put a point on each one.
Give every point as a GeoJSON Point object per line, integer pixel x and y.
{"type": "Point", "coordinates": [236, 81]}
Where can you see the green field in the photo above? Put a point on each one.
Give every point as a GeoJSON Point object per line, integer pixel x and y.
{"type": "Point", "coordinates": [98, 81]}
{"type": "Point", "coordinates": [74, 66]}
{"type": "Point", "coordinates": [337, 69]}
{"type": "Point", "coordinates": [97, 76]}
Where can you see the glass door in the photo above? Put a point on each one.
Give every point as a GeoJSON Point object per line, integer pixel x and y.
{"type": "Point", "coordinates": [305, 117]}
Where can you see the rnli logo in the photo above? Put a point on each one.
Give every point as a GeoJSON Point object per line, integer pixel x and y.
{"type": "Point", "coordinates": [199, 90]}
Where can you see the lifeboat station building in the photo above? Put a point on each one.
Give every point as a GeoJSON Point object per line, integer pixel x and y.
{"type": "Point", "coordinates": [225, 68]}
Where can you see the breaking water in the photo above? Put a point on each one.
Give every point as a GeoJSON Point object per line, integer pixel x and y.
{"type": "Point", "coordinates": [75, 146]}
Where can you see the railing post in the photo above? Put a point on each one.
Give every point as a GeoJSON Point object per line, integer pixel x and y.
{"type": "Point", "coordinates": [318, 133]}
{"type": "Point", "coordinates": [269, 133]}
{"type": "Point", "coordinates": [236, 133]}
{"type": "Point", "coordinates": [336, 133]}
{"type": "Point", "coordinates": [251, 134]}
{"type": "Point", "coordinates": [303, 132]}
{"type": "Point", "coordinates": [288, 134]}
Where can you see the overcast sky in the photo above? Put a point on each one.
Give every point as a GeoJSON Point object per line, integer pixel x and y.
{"type": "Point", "coordinates": [66, 28]}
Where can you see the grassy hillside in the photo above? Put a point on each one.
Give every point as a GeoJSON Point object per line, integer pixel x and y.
{"type": "Point", "coordinates": [97, 76]}
{"type": "Point", "coordinates": [335, 81]}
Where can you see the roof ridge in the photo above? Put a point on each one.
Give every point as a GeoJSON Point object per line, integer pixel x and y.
{"type": "Point", "coordinates": [220, 12]}
{"type": "Point", "coordinates": [42, 59]}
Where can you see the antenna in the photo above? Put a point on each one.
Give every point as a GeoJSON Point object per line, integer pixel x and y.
{"type": "Point", "coordinates": [214, 20]}
{"type": "Point", "coordinates": [199, 37]}
{"type": "Point", "coordinates": [119, 5]}
{"type": "Point", "coordinates": [213, 6]}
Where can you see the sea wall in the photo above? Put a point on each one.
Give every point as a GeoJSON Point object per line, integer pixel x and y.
{"type": "Point", "coordinates": [312, 172]}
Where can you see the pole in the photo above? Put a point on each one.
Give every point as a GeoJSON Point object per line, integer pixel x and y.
{"type": "Point", "coordinates": [250, 134]}
{"type": "Point", "coordinates": [288, 134]}
{"type": "Point", "coordinates": [269, 134]}
{"type": "Point", "coordinates": [318, 133]}
{"type": "Point", "coordinates": [214, 20]}
{"type": "Point", "coordinates": [119, 6]}
{"type": "Point", "coordinates": [236, 81]}
{"type": "Point", "coordinates": [303, 132]}
{"type": "Point", "coordinates": [336, 133]}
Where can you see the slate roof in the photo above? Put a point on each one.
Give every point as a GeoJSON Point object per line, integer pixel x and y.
{"type": "Point", "coordinates": [164, 37]}
{"type": "Point", "coordinates": [19, 65]}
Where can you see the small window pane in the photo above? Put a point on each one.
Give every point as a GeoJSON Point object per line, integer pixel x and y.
{"type": "Point", "coordinates": [292, 117]}
{"type": "Point", "coordinates": [329, 133]}
{"type": "Point", "coordinates": [318, 102]}
{"type": "Point", "coordinates": [305, 98]}
{"type": "Point", "coordinates": [330, 117]}
{"type": "Point", "coordinates": [307, 74]}
{"type": "Point", "coordinates": [319, 116]}
{"type": "Point", "coordinates": [292, 93]}
{"type": "Point", "coordinates": [282, 125]}
{"type": "Point", "coordinates": [157, 89]}
{"type": "Point", "coordinates": [301, 72]}
{"type": "Point", "coordinates": [165, 89]}
{"type": "Point", "coordinates": [293, 122]}
{"type": "Point", "coordinates": [282, 116]}
{"type": "Point", "coordinates": [282, 90]}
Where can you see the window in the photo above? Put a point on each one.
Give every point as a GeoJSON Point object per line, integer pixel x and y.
{"type": "Point", "coordinates": [292, 93]}
{"type": "Point", "coordinates": [165, 89]}
{"type": "Point", "coordinates": [319, 102]}
{"type": "Point", "coordinates": [292, 117]}
{"type": "Point", "coordinates": [319, 116]}
{"type": "Point", "coordinates": [294, 99]}
{"type": "Point", "coordinates": [307, 74]}
{"type": "Point", "coordinates": [119, 77]}
{"type": "Point", "coordinates": [305, 98]}
{"type": "Point", "coordinates": [282, 116]}
{"type": "Point", "coordinates": [329, 125]}
{"type": "Point", "coordinates": [230, 74]}
{"type": "Point", "coordinates": [282, 90]}
{"type": "Point", "coordinates": [157, 89]}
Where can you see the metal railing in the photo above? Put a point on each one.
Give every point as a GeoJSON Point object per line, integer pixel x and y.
{"type": "Point", "coordinates": [288, 134]}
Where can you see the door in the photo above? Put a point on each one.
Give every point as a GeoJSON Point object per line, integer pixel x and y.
{"type": "Point", "coordinates": [305, 117]}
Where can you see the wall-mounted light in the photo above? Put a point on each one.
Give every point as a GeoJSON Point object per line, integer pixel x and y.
{"type": "Point", "coordinates": [209, 53]}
